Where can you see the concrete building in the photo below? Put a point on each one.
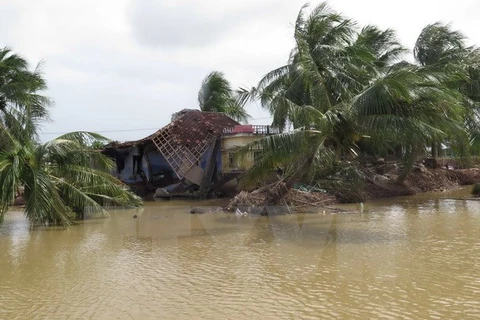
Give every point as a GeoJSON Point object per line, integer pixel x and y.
{"type": "Point", "coordinates": [239, 136]}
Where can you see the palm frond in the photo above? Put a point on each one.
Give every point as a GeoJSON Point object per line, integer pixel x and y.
{"type": "Point", "coordinates": [438, 42]}
{"type": "Point", "coordinates": [43, 203]}
{"type": "Point", "coordinates": [84, 138]}
{"type": "Point", "coordinates": [216, 95]}
{"type": "Point", "coordinates": [10, 165]}
{"type": "Point", "coordinates": [283, 150]}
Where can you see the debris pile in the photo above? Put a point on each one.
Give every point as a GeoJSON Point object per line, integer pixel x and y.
{"type": "Point", "coordinates": [293, 198]}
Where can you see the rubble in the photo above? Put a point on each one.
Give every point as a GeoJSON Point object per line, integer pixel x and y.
{"type": "Point", "coordinates": [293, 199]}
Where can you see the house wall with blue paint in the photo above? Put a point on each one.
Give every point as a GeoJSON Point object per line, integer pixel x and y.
{"type": "Point", "coordinates": [206, 156]}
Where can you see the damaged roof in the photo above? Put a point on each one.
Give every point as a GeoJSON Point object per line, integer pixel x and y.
{"type": "Point", "coordinates": [189, 127]}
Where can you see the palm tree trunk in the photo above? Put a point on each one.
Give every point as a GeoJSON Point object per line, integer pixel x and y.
{"type": "Point", "coordinates": [398, 152]}
{"type": "Point", "coordinates": [408, 162]}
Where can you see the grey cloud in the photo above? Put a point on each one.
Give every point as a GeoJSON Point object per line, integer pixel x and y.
{"type": "Point", "coordinates": [123, 66]}
{"type": "Point", "coordinates": [8, 23]}
{"type": "Point", "coordinates": [193, 23]}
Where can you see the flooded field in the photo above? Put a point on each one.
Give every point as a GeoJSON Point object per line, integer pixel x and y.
{"type": "Point", "coordinates": [415, 257]}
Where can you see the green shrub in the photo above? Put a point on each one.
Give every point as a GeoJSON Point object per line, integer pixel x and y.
{"type": "Point", "coordinates": [476, 190]}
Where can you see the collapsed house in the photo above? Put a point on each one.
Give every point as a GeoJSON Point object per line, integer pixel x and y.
{"type": "Point", "coordinates": [178, 158]}
{"type": "Point", "coordinates": [184, 158]}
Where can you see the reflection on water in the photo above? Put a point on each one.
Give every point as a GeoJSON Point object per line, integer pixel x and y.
{"type": "Point", "coordinates": [414, 257]}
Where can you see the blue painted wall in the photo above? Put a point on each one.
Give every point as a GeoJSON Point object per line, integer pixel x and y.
{"type": "Point", "coordinates": [204, 159]}
{"type": "Point", "coordinates": [157, 162]}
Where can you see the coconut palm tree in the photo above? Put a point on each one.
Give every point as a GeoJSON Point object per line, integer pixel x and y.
{"type": "Point", "coordinates": [446, 77]}
{"type": "Point", "coordinates": [22, 106]}
{"type": "Point", "coordinates": [61, 180]}
{"type": "Point", "coordinates": [317, 74]}
{"type": "Point", "coordinates": [405, 106]}
{"type": "Point", "coordinates": [409, 106]}
{"type": "Point", "coordinates": [216, 95]}
{"type": "Point", "coordinates": [438, 45]}
{"type": "Point", "coordinates": [441, 49]}
{"type": "Point", "coordinates": [330, 64]}
{"type": "Point", "coordinates": [340, 85]}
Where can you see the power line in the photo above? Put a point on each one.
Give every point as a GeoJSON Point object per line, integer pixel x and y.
{"type": "Point", "coordinates": [104, 131]}
{"type": "Point", "coordinates": [126, 130]}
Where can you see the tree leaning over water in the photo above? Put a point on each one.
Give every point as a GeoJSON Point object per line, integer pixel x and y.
{"type": "Point", "coordinates": [444, 51]}
{"type": "Point", "coordinates": [347, 85]}
{"type": "Point", "coordinates": [60, 180]}
{"type": "Point", "coordinates": [216, 95]}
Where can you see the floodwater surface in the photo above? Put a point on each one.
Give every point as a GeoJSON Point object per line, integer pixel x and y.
{"type": "Point", "coordinates": [404, 258]}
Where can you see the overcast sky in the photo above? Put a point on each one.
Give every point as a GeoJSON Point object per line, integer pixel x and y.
{"type": "Point", "coordinates": [129, 64]}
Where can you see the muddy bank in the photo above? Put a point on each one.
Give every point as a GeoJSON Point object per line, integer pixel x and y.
{"type": "Point", "coordinates": [365, 184]}
{"type": "Point", "coordinates": [422, 180]}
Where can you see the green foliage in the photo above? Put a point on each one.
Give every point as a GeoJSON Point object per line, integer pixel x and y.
{"type": "Point", "coordinates": [22, 107]}
{"type": "Point", "coordinates": [350, 85]}
{"type": "Point", "coordinates": [287, 152]}
{"type": "Point", "coordinates": [439, 45]}
{"type": "Point", "coordinates": [62, 179]}
{"type": "Point", "coordinates": [216, 95]}
{"type": "Point", "coordinates": [347, 185]}
{"type": "Point", "coordinates": [476, 190]}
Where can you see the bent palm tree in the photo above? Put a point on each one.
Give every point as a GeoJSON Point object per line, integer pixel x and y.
{"type": "Point", "coordinates": [60, 180]}
{"type": "Point", "coordinates": [438, 45]}
{"type": "Point", "coordinates": [409, 106]}
{"type": "Point", "coordinates": [22, 106]}
{"type": "Point", "coordinates": [330, 64]}
{"type": "Point", "coordinates": [444, 51]}
{"type": "Point", "coordinates": [345, 84]}
{"type": "Point", "coordinates": [216, 95]}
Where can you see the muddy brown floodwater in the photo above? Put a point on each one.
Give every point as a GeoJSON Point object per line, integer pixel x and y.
{"type": "Point", "coordinates": [405, 258]}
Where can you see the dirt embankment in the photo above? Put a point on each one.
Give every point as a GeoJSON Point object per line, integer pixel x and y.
{"type": "Point", "coordinates": [421, 180]}
{"type": "Point", "coordinates": [368, 184]}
